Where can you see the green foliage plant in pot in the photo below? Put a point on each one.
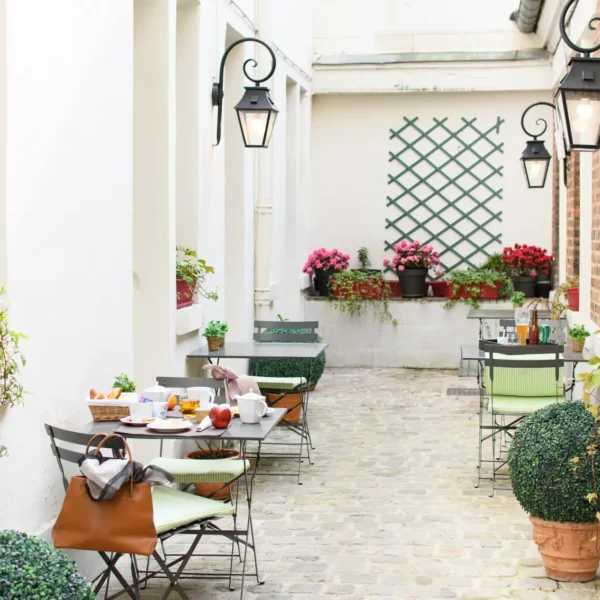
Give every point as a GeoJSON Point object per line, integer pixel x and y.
{"type": "Point", "coordinates": [354, 291]}
{"type": "Point", "coordinates": [191, 273]}
{"type": "Point", "coordinates": [214, 333]}
{"type": "Point", "coordinates": [553, 468]}
{"type": "Point", "coordinates": [517, 299]}
{"type": "Point", "coordinates": [365, 261]}
{"type": "Point", "coordinates": [127, 386]}
{"type": "Point", "coordinates": [411, 262]}
{"type": "Point", "coordinates": [31, 568]}
{"type": "Point", "coordinates": [289, 367]}
{"type": "Point", "coordinates": [472, 285]}
{"type": "Point", "coordinates": [578, 335]}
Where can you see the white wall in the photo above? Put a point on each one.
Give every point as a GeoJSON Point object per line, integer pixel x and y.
{"type": "Point", "coordinates": [349, 27]}
{"type": "Point", "coordinates": [350, 144]}
{"type": "Point", "coordinates": [68, 184]}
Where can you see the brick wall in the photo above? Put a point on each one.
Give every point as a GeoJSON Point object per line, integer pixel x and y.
{"type": "Point", "coordinates": [573, 196]}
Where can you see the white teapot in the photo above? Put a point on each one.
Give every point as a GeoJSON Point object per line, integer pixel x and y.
{"type": "Point", "coordinates": [252, 407]}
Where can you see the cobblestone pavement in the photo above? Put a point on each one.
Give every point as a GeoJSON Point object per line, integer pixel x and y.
{"type": "Point", "coordinates": [389, 510]}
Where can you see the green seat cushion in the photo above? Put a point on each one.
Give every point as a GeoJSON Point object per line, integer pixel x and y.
{"type": "Point", "coordinates": [520, 405]}
{"type": "Point", "coordinates": [535, 383]}
{"type": "Point", "coordinates": [187, 470]}
{"type": "Point", "coordinates": [280, 383]}
{"type": "Point", "coordinates": [173, 508]}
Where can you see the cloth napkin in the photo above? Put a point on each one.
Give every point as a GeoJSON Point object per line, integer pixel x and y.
{"type": "Point", "coordinates": [234, 385]}
{"type": "Point", "coordinates": [106, 475]}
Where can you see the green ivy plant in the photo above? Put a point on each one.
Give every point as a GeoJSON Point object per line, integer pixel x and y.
{"type": "Point", "coordinates": [123, 382]}
{"type": "Point", "coordinates": [578, 332]}
{"type": "Point", "coordinates": [348, 284]}
{"type": "Point", "coordinates": [31, 568]}
{"type": "Point", "coordinates": [11, 361]}
{"type": "Point", "coordinates": [194, 270]}
{"type": "Point", "coordinates": [363, 257]}
{"type": "Point", "coordinates": [553, 463]}
{"type": "Point", "coordinates": [518, 298]}
{"type": "Point", "coordinates": [216, 329]}
{"type": "Point", "coordinates": [473, 280]}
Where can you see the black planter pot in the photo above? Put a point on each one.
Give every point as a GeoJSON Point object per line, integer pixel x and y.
{"type": "Point", "coordinates": [542, 289]}
{"type": "Point", "coordinates": [412, 282]}
{"type": "Point", "coordinates": [525, 284]}
{"type": "Point", "coordinates": [321, 283]}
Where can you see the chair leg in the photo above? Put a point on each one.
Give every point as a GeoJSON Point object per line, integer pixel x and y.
{"type": "Point", "coordinates": [494, 429]}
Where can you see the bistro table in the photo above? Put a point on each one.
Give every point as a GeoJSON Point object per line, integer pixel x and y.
{"type": "Point", "coordinates": [236, 432]}
{"type": "Point", "coordinates": [310, 351]}
{"type": "Point", "coordinates": [499, 314]}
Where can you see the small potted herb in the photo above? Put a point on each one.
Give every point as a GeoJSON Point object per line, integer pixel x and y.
{"type": "Point", "coordinates": [224, 328]}
{"type": "Point", "coordinates": [517, 299]}
{"type": "Point", "coordinates": [126, 385]}
{"type": "Point", "coordinates": [191, 273]}
{"type": "Point", "coordinates": [213, 334]}
{"type": "Point", "coordinates": [578, 333]}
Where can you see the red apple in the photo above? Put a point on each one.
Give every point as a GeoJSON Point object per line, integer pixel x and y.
{"type": "Point", "coordinates": [220, 416]}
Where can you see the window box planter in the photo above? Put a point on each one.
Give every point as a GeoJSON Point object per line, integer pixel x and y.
{"type": "Point", "coordinates": [488, 292]}
{"type": "Point", "coordinates": [369, 290]}
{"type": "Point", "coordinates": [439, 289]}
{"type": "Point", "coordinates": [185, 294]}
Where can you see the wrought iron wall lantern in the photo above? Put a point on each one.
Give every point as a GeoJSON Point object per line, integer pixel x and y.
{"type": "Point", "coordinates": [578, 96]}
{"type": "Point", "coordinates": [535, 158]}
{"type": "Point", "coordinates": [256, 111]}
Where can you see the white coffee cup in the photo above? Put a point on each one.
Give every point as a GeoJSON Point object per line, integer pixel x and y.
{"type": "Point", "coordinates": [252, 407]}
{"type": "Point", "coordinates": [204, 394]}
{"type": "Point", "coordinates": [140, 410]}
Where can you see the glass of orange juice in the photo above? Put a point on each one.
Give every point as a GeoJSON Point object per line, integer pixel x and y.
{"type": "Point", "coordinates": [188, 407]}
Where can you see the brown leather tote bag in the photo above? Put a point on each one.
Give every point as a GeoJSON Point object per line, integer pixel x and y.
{"type": "Point", "coordinates": [124, 525]}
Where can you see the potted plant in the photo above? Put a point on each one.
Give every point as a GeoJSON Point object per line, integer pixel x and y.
{"type": "Point", "coordinates": [223, 450]}
{"type": "Point", "coordinates": [353, 291]}
{"type": "Point", "coordinates": [32, 568]}
{"type": "Point", "coordinates": [578, 334]}
{"type": "Point", "coordinates": [573, 294]}
{"type": "Point", "coordinates": [365, 261]}
{"type": "Point", "coordinates": [223, 329]}
{"type": "Point", "coordinates": [517, 299]}
{"type": "Point", "coordinates": [322, 264]}
{"type": "Point", "coordinates": [126, 385]}
{"type": "Point", "coordinates": [473, 285]}
{"type": "Point", "coordinates": [544, 284]}
{"type": "Point", "coordinates": [555, 484]}
{"type": "Point", "coordinates": [525, 262]}
{"type": "Point", "coordinates": [191, 273]}
{"type": "Point", "coordinates": [11, 360]}
{"type": "Point", "coordinates": [214, 335]}
{"type": "Point", "coordinates": [411, 263]}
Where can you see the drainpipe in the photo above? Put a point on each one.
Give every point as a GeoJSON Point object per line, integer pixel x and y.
{"type": "Point", "coordinates": [263, 216]}
{"type": "Point", "coordinates": [527, 15]}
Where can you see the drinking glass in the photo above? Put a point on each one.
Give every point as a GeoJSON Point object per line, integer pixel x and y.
{"type": "Point", "coordinates": [522, 333]}
{"type": "Point", "coordinates": [544, 333]}
{"type": "Point", "coordinates": [188, 407]}
{"type": "Point", "coordinates": [511, 338]}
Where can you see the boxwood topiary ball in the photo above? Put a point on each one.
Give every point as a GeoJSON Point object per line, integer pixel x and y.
{"type": "Point", "coordinates": [33, 569]}
{"type": "Point", "coordinates": [289, 367]}
{"type": "Point", "coordinates": [542, 475]}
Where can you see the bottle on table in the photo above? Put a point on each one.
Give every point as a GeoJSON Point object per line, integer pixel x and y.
{"type": "Point", "coordinates": [534, 328]}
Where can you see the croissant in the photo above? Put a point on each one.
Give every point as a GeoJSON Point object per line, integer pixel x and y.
{"type": "Point", "coordinates": [94, 393]}
{"type": "Point", "coordinates": [100, 396]}
{"type": "Point", "coordinates": [114, 393]}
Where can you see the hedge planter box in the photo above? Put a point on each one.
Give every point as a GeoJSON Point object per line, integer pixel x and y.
{"type": "Point", "coordinates": [525, 284]}
{"type": "Point", "coordinates": [488, 292]}
{"type": "Point", "coordinates": [185, 294]}
{"type": "Point", "coordinates": [573, 298]}
{"type": "Point", "coordinates": [439, 289]}
{"type": "Point", "coordinates": [412, 282]}
{"type": "Point", "coordinates": [215, 491]}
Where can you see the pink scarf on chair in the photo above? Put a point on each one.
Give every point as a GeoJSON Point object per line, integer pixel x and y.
{"type": "Point", "coordinates": [234, 385]}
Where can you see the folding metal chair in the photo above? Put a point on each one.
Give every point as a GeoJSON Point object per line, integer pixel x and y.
{"type": "Point", "coordinates": [175, 513]}
{"type": "Point", "coordinates": [518, 381]}
{"type": "Point", "coordinates": [281, 387]}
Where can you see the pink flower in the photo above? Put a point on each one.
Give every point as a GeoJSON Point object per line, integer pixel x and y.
{"type": "Point", "coordinates": [318, 264]}
{"type": "Point", "coordinates": [338, 267]}
{"type": "Point", "coordinates": [438, 272]}
{"type": "Point", "coordinates": [386, 262]}
{"type": "Point", "coordinates": [400, 268]}
{"type": "Point", "coordinates": [309, 270]}
{"type": "Point", "coordinates": [533, 273]}
{"type": "Point", "coordinates": [403, 260]}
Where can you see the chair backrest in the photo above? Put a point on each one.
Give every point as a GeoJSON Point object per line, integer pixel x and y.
{"type": "Point", "coordinates": [307, 335]}
{"type": "Point", "coordinates": [186, 382]}
{"type": "Point", "coordinates": [524, 371]}
{"type": "Point", "coordinates": [506, 324]}
{"type": "Point", "coordinates": [66, 455]}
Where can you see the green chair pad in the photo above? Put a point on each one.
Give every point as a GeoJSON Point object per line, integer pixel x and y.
{"type": "Point", "coordinates": [280, 383]}
{"type": "Point", "coordinates": [173, 508]}
{"type": "Point", "coordinates": [186, 470]}
{"type": "Point", "coordinates": [520, 405]}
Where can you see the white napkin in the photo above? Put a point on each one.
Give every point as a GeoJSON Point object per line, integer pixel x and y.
{"type": "Point", "coordinates": [204, 424]}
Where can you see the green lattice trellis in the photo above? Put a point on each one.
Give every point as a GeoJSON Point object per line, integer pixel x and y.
{"type": "Point", "coordinates": [449, 196]}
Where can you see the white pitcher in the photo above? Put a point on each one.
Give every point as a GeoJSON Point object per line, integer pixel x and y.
{"type": "Point", "coordinates": [252, 407]}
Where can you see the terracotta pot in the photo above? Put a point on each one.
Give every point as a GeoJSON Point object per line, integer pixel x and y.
{"type": "Point", "coordinates": [214, 343]}
{"type": "Point", "coordinates": [185, 294]}
{"type": "Point", "coordinates": [293, 402]}
{"type": "Point", "coordinates": [214, 491]}
{"type": "Point", "coordinates": [573, 298]}
{"type": "Point", "coordinates": [570, 551]}
{"type": "Point", "coordinates": [577, 345]}
{"type": "Point", "coordinates": [395, 287]}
